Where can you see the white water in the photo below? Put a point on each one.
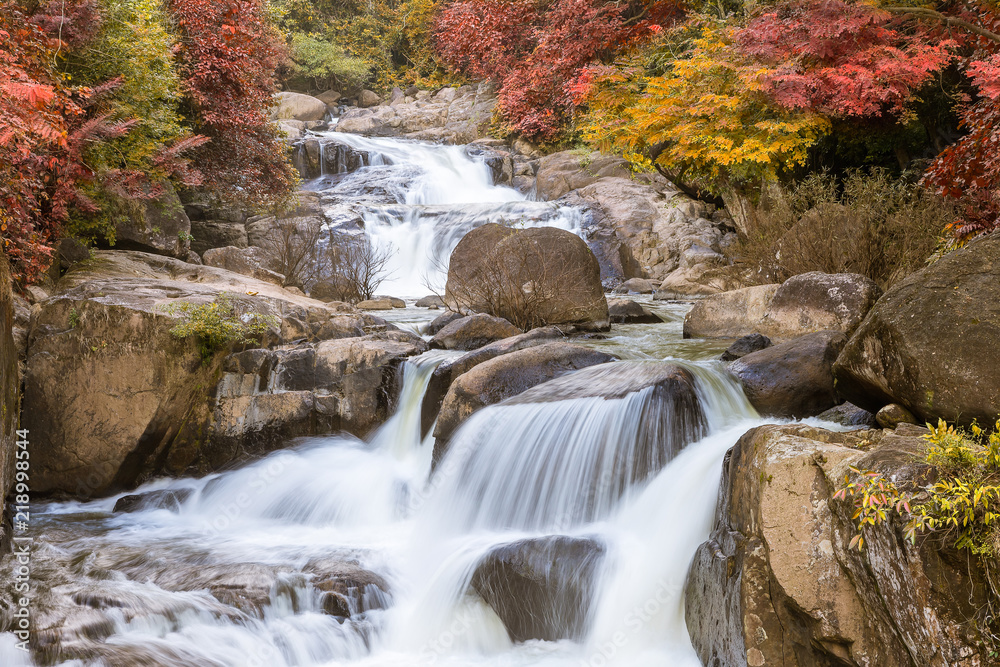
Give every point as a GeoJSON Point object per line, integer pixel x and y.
{"type": "Point", "coordinates": [374, 502]}
{"type": "Point", "coordinates": [433, 195]}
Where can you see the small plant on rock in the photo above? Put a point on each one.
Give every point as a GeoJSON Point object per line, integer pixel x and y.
{"type": "Point", "coordinates": [220, 323]}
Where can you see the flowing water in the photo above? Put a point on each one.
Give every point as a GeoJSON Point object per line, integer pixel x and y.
{"type": "Point", "coordinates": [417, 200]}
{"type": "Point", "coordinates": [237, 571]}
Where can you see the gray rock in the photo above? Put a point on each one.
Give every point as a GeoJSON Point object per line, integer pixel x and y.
{"type": "Point", "coordinates": [472, 332]}
{"type": "Point", "coordinates": [433, 302]}
{"type": "Point", "coordinates": [296, 106]}
{"type": "Point", "coordinates": [745, 345]}
{"type": "Point", "coordinates": [626, 311]}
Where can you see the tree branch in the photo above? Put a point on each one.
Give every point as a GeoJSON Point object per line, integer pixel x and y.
{"type": "Point", "coordinates": [924, 12]}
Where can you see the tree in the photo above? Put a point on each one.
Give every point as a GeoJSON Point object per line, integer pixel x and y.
{"type": "Point", "coordinates": [227, 57]}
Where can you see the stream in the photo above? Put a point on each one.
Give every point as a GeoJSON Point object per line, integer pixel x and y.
{"type": "Point", "coordinates": [233, 572]}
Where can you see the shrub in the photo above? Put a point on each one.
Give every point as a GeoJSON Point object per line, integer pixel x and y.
{"type": "Point", "coordinates": [357, 266]}
{"type": "Point", "coordinates": [871, 224]}
{"type": "Point", "coordinates": [325, 64]}
{"type": "Point", "coordinates": [225, 321]}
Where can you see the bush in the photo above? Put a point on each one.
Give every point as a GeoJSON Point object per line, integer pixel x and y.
{"type": "Point", "coordinates": [871, 224]}
{"type": "Point", "coordinates": [325, 64]}
{"type": "Point", "coordinates": [225, 321]}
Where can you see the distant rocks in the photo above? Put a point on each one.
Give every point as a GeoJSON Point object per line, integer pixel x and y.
{"type": "Point", "coordinates": [432, 302]}
{"type": "Point", "coordinates": [626, 311]}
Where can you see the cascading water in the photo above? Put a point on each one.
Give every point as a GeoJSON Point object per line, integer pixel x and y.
{"type": "Point", "coordinates": [416, 201]}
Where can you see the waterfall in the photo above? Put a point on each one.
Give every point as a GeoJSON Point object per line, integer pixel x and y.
{"type": "Point", "coordinates": [417, 200]}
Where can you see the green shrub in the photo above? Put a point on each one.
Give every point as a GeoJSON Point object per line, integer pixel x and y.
{"type": "Point", "coordinates": [325, 64]}
{"type": "Point", "coordinates": [220, 323]}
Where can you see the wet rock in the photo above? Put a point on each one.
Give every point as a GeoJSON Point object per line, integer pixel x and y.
{"type": "Point", "coordinates": [930, 343]}
{"type": "Point", "coordinates": [504, 377]}
{"type": "Point", "coordinates": [448, 371]}
{"type": "Point", "coordinates": [626, 311]}
{"type": "Point", "coordinates": [296, 106]}
{"type": "Point", "coordinates": [745, 345]}
{"type": "Point", "coordinates": [730, 314]}
{"type": "Point", "coordinates": [793, 379]}
{"type": "Point", "coordinates": [848, 414]}
{"type": "Point", "coordinates": [441, 321]}
{"type": "Point", "coordinates": [379, 303]}
{"type": "Point", "coordinates": [551, 275]}
{"type": "Point", "coordinates": [472, 332]}
{"type": "Point", "coordinates": [778, 583]}
{"type": "Point", "coordinates": [348, 589]}
{"type": "Point", "coordinates": [433, 302]}
{"type": "Point", "coordinates": [541, 588]}
{"type": "Point", "coordinates": [637, 286]}
{"type": "Point", "coordinates": [893, 415]}
{"type": "Point", "coordinates": [166, 499]}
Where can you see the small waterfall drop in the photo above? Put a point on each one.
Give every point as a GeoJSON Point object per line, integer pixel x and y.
{"type": "Point", "coordinates": [417, 200]}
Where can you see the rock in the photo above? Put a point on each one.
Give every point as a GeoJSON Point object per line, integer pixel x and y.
{"type": "Point", "coordinates": [848, 414]}
{"type": "Point", "coordinates": [441, 321]}
{"type": "Point", "coordinates": [348, 589]}
{"type": "Point", "coordinates": [779, 584]}
{"type": "Point", "coordinates": [368, 98]}
{"type": "Point", "coordinates": [803, 304]}
{"type": "Point", "coordinates": [459, 120]}
{"type": "Point", "coordinates": [210, 234]}
{"type": "Point", "coordinates": [329, 97]}
{"type": "Point", "coordinates": [816, 301]}
{"type": "Point", "coordinates": [162, 228]}
{"type": "Point", "coordinates": [745, 345]}
{"type": "Point", "coordinates": [378, 303]}
{"type": "Point", "coordinates": [793, 379]}
{"type": "Point", "coordinates": [552, 274]}
{"type": "Point", "coordinates": [246, 261]}
{"type": "Point", "coordinates": [111, 396]}
{"type": "Point", "coordinates": [626, 311]}
{"type": "Point", "coordinates": [447, 371]}
{"type": "Point", "coordinates": [504, 377]}
{"type": "Point", "coordinates": [893, 415]}
{"type": "Point", "coordinates": [292, 289]}
{"type": "Point", "coordinates": [559, 173]}
{"type": "Point", "coordinates": [10, 401]}
{"type": "Point", "coordinates": [433, 302]}
{"type": "Point", "coordinates": [296, 106]}
{"type": "Point", "coordinates": [166, 499]}
{"type": "Point", "coordinates": [395, 301]}
{"type": "Point", "coordinates": [930, 343]}
{"type": "Point", "coordinates": [729, 314]}
{"type": "Point", "coordinates": [472, 332]}
{"type": "Point", "coordinates": [541, 588]}
{"type": "Point", "coordinates": [291, 129]}
{"type": "Point", "coordinates": [637, 286]}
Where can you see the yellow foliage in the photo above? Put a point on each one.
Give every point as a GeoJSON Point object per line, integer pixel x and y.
{"type": "Point", "coordinates": [709, 112]}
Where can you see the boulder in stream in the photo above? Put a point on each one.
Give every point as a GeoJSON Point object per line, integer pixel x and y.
{"type": "Point", "coordinates": [472, 332]}
{"type": "Point", "coordinates": [541, 588]}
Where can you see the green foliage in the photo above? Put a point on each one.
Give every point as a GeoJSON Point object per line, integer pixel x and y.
{"type": "Point", "coordinates": [135, 47]}
{"type": "Point", "coordinates": [325, 63]}
{"type": "Point", "coordinates": [220, 323]}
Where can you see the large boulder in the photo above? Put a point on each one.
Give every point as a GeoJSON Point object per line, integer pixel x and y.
{"type": "Point", "coordinates": [296, 106]}
{"type": "Point", "coordinates": [793, 379]}
{"type": "Point", "coordinates": [472, 332]}
{"type": "Point", "coordinates": [531, 277]}
{"type": "Point", "coordinates": [449, 370]}
{"type": "Point", "coordinates": [932, 341]}
{"type": "Point", "coordinates": [111, 395]}
{"type": "Point", "coordinates": [778, 582]}
{"type": "Point", "coordinates": [541, 588]}
{"type": "Point", "coordinates": [803, 304]}
{"type": "Point", "coordinates": [819, 302]}
{"type": "Point", "coordinates": [368, 98]}
{"type": "Point", "coordinates": [558, 173]}
{"type": "Point", "coordinates": [161, 227]}
{"type": "Point", "coordinates": [245, 261]}
{"type": "Point", "coordinates": [10, 396]}
{"type": "Point", "coordinates": [504, 377]}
